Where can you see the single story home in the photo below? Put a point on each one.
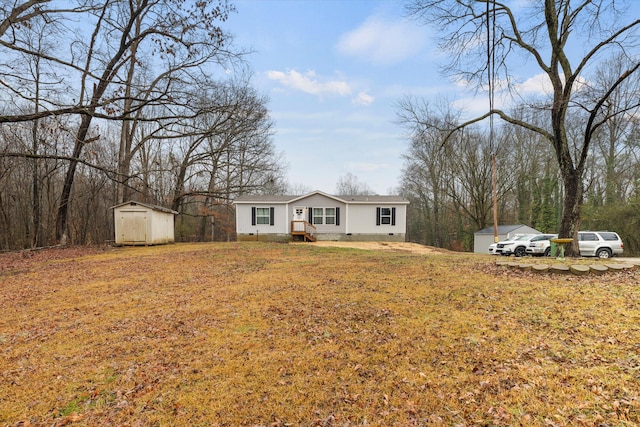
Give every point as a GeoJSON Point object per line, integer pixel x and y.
{"type": "Point", "coordinates": [138, 223]}
{"type": "Point", "coordinates": [320, 216]}
{"type": "Point", "coordinates": [483, 238]}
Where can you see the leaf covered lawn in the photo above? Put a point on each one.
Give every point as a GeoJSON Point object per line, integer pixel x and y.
{"type": "Point", "coordinates": [253, 334]}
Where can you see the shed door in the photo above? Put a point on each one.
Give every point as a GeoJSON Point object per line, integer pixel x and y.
{"type": "Point", "coordinates": [133, 226]}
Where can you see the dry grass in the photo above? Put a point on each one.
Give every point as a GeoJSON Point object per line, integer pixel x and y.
{"type": "Point", "coordinates": [272, 335]}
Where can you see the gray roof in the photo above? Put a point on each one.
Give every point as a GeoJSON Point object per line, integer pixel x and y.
{"type": "Point", "coordinates": [502, 229]}
{"type": "Point", "coordinates": [256, 198]}
{"type": "Point", "coordinates": [146, 205]}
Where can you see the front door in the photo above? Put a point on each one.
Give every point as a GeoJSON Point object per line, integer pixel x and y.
{"type": "Point", "coordinates": [299, 213]}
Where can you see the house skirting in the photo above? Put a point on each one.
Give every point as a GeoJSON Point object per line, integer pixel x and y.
{"type": "Point", "coordinates": [262, 237]}
{"type": "Point", "coordinates": [395, 237]}
{"type": "Point", "coordinates": [253, 237]}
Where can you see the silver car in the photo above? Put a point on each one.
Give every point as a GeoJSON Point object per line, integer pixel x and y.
{"type": "Point", "coordinates": [602, 244]}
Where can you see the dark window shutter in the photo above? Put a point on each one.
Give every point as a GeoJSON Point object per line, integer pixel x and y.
{"type": "Point", "coordinates": [377, 216]}
{"type": "Point", "coordinates": [393, 216]}
{"type": "Point", "coordinates": [253, 216]}
{"type": "Point", "coordinates": [272, 215]}
{"type": "Point", "coordinates": [337, 216]}
{"type": "Point", "coordinates": [310, 215]}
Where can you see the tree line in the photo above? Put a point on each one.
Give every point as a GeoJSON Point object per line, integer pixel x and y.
{"type": "Point", "coordinates": [104, 101]}
{"type": "Point", "coordinates": [567, 157]}
{"type": "Point", "coordinates": [450, 184]}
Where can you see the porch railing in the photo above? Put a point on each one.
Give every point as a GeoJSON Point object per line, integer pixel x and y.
{"type": "Point", "coordinates": [303, 228]}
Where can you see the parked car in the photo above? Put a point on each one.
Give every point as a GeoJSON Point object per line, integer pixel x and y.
{"type": "Point", "coordinates": [602, 244]}
{"type": "Point", "coordinates": [516, 246]}
{"type": "Point", "coordinates": [492, 249]}
{"type": "Point", "coordinates": [540, 245]}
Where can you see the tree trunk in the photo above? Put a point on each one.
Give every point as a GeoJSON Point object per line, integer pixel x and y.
{"type": "Point", "coordinates": [128, 128]}
{"type": "Point", "coordinates": [36, 237]}
{"type": "Point", "coordinates": [65, 196]}
{"type": "Point", "coordinates": [570, 224]}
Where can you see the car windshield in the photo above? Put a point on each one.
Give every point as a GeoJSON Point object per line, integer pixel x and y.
{"type": "Point", "coordinates": [524, 237]}
{"type": "Point", "coordinates": [541, 237]}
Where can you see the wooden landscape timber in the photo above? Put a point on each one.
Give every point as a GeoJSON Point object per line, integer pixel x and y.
{"type": "Point", "coordinates": [579, 269]}
{"type": "Point", "coordinates": [576, 268]}
{"type": "Point", "coordinates": [598, 269]}
{"type": "Point", "coordinates": [559, 268]}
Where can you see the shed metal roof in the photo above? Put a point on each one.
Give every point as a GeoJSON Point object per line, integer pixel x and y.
{"type": "Point", "coordinates": [502, 229]}
{"type": "Point", "coordinates": [146, 205]}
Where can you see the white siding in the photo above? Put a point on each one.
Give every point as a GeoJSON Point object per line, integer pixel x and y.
{"type": "Point", "coordinates": [362, 219]}
{"type": "Point", "coordinates": [243, 219]}
{"type": "Point", "coordinates": [161, 227]}
{"type": "Point", "coordinates": [481, 242]}
{"type": "Point", "coordinates": [320, 201]}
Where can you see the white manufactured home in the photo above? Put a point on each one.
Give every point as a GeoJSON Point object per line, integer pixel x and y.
{"type": "Point", "coordinates": [138, 223]}
{"type": "Point", "coordinates": [320, 216]}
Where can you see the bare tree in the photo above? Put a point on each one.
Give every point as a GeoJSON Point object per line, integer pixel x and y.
{"type": "Point", "coordinates": [552, 29]}
{"type": "Point", "coordinates": [350, 185]}
{"type": "Point", "coordinates": [183, 37]}
{"type": "Point", "coordinates": [100, 71]}
{"type": "Point", "coordinates": [450, 177]}
{"type": "Point", "coordinates": [426, 172]}
{"type": "Point", "coordinates": [611, 142]}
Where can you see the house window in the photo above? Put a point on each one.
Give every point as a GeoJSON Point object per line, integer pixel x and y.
{"type": "Point", "coordinates": [329, 216]}
{"type": "Point", "coordinates": [262, 216]}
{"type": "Point", "coordinates": [385, 216]}
{"type": "Point", "coordinates": [318, 215]}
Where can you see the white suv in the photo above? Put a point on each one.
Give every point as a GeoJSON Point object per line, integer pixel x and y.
{"type": "Point", "coordinates": [540, 245]}
{"type": "Point", "coordinates": [516, 245]}
{"type": "Point", "coordinates": [603, 244]}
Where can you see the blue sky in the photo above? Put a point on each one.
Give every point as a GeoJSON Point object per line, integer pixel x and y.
{"type": "Point", "coordinates": [333, 71]}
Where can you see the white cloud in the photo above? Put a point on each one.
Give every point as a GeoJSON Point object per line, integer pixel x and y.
{"type": "Point", "coordinates": [310, 83]}
{"type": "Point", "coordinates": [538, 84]}
{"type": "Point", "coordinates": [363, 98]}
{"type": "Point", "coordinates": [383, 42]}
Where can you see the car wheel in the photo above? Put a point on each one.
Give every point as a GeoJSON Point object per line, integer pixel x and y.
{"type": "Point", "coordinates": [603, 253]}
{"type": "Point", "coordinates": [520, 251]}
{"type": "Point", "coordinates": [547, 252]}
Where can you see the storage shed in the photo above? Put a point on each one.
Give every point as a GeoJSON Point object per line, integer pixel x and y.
{"type": "Point", "coordinates": [483, 238]}
{"type": "Point", "coordinates": [138, 223]}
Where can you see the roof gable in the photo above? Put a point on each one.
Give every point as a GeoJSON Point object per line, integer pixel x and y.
{"type": "Point", "coordinates": [146, 205]}
{"type": "Point", "coordinates": [505, 229]}
{"type": "Point", "coordinates": [317, 193]}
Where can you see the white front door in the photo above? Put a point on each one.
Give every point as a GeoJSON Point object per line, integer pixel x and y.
{"type": "Point", "coordinates": [299, 213]}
